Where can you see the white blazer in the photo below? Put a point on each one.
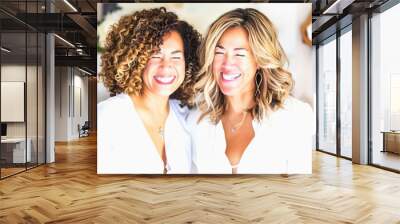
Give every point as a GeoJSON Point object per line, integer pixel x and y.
{"type": "Point", "coordinates": [125, 147]}
{"type": "Point", "coordinates": [282, 143]}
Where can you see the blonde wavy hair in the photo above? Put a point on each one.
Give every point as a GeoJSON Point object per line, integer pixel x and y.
{"type": "Point", "coordinates": [276, 82]}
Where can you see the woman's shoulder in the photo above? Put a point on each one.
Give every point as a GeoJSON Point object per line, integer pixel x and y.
{"type": "Point", "coordinates": [113, 104]}
{"type": "Point", "coordinates": [298, 113]}
{"type": "Point", "coordinates": [194, 116]}
{"type": "Point", "coordinates": [296, 106]}
{"type": "Point", "coordinates": [294, 114]}
{"type": "Point", "coordinates": [193, 121]}
{"type": "Point", "coordinates": [179, 109]}
{"type": "Point", "coordinates": [188, 117]}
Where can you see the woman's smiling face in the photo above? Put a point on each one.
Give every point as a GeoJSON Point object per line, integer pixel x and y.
{"type": "Point", "coordinates": [234, 66]}
{"type": "Point", "coordinates": [165, 70]}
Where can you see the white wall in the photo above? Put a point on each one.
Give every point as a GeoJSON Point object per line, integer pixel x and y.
{"type": "Point", "coordinates": [79, 117]}
{"type": "Point", "coordinates": [61, 103]}
{"type": "Point", "coordinates": [12, 73]}
{"type": "Point", "coordinates": [33, 127]}
{"type": "Point", "coordinates": [70, 83]}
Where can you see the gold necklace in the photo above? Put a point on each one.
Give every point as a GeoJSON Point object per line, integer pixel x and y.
{"type": "Point", "coordinates": [161, 132]}
{"type": "Point", "coordinates": [238, 125]}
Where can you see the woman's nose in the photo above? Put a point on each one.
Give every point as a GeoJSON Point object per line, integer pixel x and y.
{"type": "Point", "coordinates": [228, 59]}
{"type": "Point", "coordinates": [166, 62]}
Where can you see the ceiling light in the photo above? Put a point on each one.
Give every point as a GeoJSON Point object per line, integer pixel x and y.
{"type": "Point", "coordinates": [84, 71]}
{"type": "Point", "coordinates": [79, 51]}
{"type": "Point", "coordinates": [337, 7]}
{"type": "Point", "coordinates": [5, 49]}
{"type": "Point", "coordinates": [331, 7]}
{"type": "Point", "coordinates": [65, 41]}
{"type": "Point", "coordinates": [70, 5]}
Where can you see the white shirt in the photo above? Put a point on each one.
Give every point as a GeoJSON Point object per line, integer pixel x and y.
{"type": "Point", "coordinates": [282, 143]}
{"type": "Point", "coordinates": [125, 147]}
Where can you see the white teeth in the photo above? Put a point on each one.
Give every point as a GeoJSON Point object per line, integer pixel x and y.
{"type": "Point", "coordinates": [230, 77]}
{"type": "Point", "coordinates": [164, 79]}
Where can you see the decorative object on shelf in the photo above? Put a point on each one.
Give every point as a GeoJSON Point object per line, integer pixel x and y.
{"type": "Point", "coordinates": [306, 31]}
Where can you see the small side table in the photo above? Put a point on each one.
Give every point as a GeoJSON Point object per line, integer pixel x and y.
{"type": "Point", "coordinates": [391, 141]}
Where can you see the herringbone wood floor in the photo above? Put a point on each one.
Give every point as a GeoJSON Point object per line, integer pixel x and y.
{"type": "Point", "coordinates": [70, 191]}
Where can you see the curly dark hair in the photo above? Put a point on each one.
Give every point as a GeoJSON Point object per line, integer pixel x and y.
{"type": "Point", "coordinates": [131, 42]}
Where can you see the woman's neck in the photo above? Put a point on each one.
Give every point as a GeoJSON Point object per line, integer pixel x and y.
{"type": "Point", "coordinates": [151, 102]}
{"type": "Point", "coordinates": [239, 103]}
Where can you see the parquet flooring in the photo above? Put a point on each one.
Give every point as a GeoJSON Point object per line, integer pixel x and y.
{"type": "Point", "coordinates": [70, 191]}
{"type": "Point", "coordinates": [387, 159]}
{"type": "Point", "coordinates": [9, 171]}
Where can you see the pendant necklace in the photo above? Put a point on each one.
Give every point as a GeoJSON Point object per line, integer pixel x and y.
{"type": "Point", "coordinates": [161, 132]}
{"type": "Point", "coordinates": [238, 125]}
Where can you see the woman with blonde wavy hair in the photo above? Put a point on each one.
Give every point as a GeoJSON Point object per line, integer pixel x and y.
{"type": "Point", "coordinates": [246, 121]}
{"type": "Point", "coordinates": [149, 63]}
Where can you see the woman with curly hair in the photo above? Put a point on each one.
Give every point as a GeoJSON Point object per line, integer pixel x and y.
{"type": "Point", "coordinates": [246, 113]}
{"type": "Point", "coordinates": [150, 64]}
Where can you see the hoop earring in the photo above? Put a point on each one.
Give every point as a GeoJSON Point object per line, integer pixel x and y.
{"type": "Point", "coordinates": [259, 80]}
